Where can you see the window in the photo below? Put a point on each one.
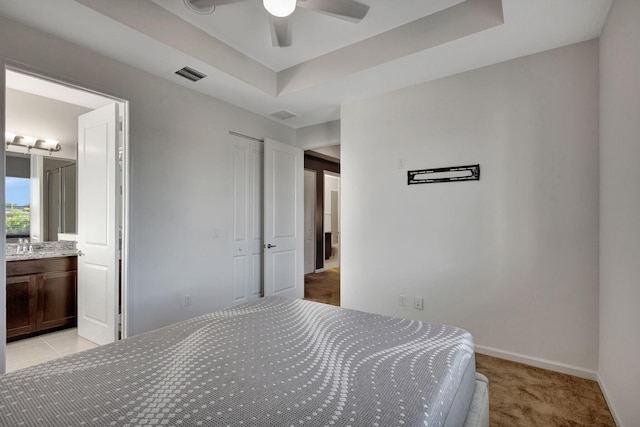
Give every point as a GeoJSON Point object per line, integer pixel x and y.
{"type": "Point", "coordinates": [17, 207]}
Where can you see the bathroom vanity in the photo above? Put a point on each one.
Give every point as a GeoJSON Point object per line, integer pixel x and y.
{"type": "Point", "coordinates": [41, 293]}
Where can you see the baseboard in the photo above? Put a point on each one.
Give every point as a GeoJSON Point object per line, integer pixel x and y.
{"type": "Point", "coordinates": [538, 362]}
{"type": "Point", "coordinates": [612, 407]}
{"type": "Point", "coordinates": [319, 270]}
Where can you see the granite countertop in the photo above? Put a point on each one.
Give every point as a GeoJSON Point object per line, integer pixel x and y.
{"type": "Point", "coordinates": [38, 255]}
{"type": "Point", "coordinates": [41, 250]}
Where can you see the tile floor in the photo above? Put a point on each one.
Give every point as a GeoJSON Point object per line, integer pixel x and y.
{"type": "Point", "coordinates": [40, 349]}
{"type": "Point", "coordinates": [332, 262]}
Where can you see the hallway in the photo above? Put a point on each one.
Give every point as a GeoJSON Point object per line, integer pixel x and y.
{"type": "Point", "coordinates": [323, 287]}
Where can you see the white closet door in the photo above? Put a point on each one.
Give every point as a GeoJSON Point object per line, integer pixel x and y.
{"type": "Point", "coordinates": [247, 221]}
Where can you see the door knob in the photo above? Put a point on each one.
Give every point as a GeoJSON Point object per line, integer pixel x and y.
{"type": "Point", "coordinates": [269, 246]}
{"type": "Point", "coordinates": [80, 253]}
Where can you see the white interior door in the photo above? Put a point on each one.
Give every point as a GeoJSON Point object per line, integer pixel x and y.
{"type": "Point", "coordinates": [283, 220]}
{"type": "Point", "coordinates": [309, 221]}
{"type": "Point", "coordinates": [98, 209]}
{"type": "Point", "coordinates": [247, 221]}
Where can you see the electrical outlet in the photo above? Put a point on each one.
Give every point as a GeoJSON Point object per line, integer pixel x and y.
{"type": "Point", "coordinates": [187, 300]}
{"type": "Point", "coordinates": [418, 303]}
{"type": "Point", "coordinates": [402, 301]}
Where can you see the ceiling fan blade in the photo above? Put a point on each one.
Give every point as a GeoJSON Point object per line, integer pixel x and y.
{"type": "Point", "coordinates": [349, 10]}
{"type": "Point", "coordinates": [280, 31]}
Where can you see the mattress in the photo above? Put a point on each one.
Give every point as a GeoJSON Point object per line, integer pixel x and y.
{"type": "Point", "coordinates": [275, 361]}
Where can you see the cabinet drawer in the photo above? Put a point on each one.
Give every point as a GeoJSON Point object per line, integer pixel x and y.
{"type": "Point", "coordinates": [41, 265]}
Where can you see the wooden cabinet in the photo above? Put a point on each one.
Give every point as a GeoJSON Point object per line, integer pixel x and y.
{"type": "Point", "coordinates": [41, 295]}
{"type": "Point", "coordinates": [21, 305]}
{"type": "Point", "coordinates": [57, 304]}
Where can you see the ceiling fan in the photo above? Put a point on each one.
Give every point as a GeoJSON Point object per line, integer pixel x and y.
{"type": "Point", "coordinates": [280, 11]}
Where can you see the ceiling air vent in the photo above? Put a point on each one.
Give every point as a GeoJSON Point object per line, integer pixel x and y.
{"type": "Point", "coordinates": [191, 74]}
{"type": "Point", "coordinates": [283, 115]}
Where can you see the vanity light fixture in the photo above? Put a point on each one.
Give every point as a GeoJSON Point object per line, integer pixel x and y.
{"type": "Point", "coordinates": [280, 8]}
{"type": "Point", "coordinates": [30, 142]}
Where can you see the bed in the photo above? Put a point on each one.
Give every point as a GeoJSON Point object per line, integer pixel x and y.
{"type": "Point", "coordinates": [274, 362]}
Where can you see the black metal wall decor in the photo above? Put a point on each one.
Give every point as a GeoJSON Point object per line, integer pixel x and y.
{"type": "Point", "coordinates": [451, 174]}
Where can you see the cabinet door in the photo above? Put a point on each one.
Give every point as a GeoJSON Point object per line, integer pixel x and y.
{"type": "Point", "coordinates": [57, 302]}
{"type": "Point", "coordinates": [21, 305]}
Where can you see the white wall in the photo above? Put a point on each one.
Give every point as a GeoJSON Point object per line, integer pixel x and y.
{"type": "Point", "coordinates": [620, 211]}
{"type": "Point", "coordinates": [42, 117]}
{"type": "Point", "coordinates": [331, 153]}
{"type": "Point", "coordinates": [513, 257]}
{"type": "Point", "coordinates": [181, 180]}
{"type": "Point", "coordinates": [320, 135]}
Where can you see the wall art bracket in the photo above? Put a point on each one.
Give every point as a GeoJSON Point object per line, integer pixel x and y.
{"type": "Point", "coordinates": [450, 174]}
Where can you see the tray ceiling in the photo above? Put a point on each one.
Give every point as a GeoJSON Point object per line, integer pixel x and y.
{"type": "Point", "coordinates": [330, 62]}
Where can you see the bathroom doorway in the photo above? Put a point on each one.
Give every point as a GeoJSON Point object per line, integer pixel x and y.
{"type": "Point", "coordinates": [43, 127]}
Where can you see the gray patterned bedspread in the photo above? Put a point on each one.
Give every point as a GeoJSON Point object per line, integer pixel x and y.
{"type": "Point", "coordinates": [273, 362]}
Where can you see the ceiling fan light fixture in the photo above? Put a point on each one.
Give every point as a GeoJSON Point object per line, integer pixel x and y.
{"type": "Point", "coordinates": [203, 7]}
{"type": "Point", "coordinates": [280, 8]}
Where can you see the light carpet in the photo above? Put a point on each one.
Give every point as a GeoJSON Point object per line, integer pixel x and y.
{"type": "Point", "coordinates": [519, 395]}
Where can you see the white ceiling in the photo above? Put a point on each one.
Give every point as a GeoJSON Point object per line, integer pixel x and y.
{"type": "Point", "coordinates": [313, 34]}
{"type": "Point", "coordinates": [330, 62]}
{"type": "Point", "coordinates": [331, 153]}
{"type": "Point", "coordinates": [47, 110]}
{"type": "Point", "coordinates": [49, 89]}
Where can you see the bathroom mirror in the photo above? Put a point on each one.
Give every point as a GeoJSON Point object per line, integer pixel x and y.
{"type": "Point", "coordinates": [40, 197]}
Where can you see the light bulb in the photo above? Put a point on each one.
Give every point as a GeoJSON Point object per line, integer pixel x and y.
{"type": "Point", "coordinates": [29, 140]}
{"type": "Point", "coordinates": [9, 136]}
{"type": "Point", "coordinates": [280, 8]}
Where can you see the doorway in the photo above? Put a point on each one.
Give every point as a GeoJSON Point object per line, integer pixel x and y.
{"type": "Point", "coordinates": [331, 220]}
{"type": "Point", "coordinates": [42, 129]}
{"type": "Point", "coordinates": [322, 215]}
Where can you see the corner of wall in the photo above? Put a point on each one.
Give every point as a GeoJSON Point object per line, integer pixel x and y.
{"type": "Point", "coordinates": [610, 404]}
{"type": "Point", "coordinates": [319, 135]}
{"type": "Point", "coordinates": [619, 342]}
